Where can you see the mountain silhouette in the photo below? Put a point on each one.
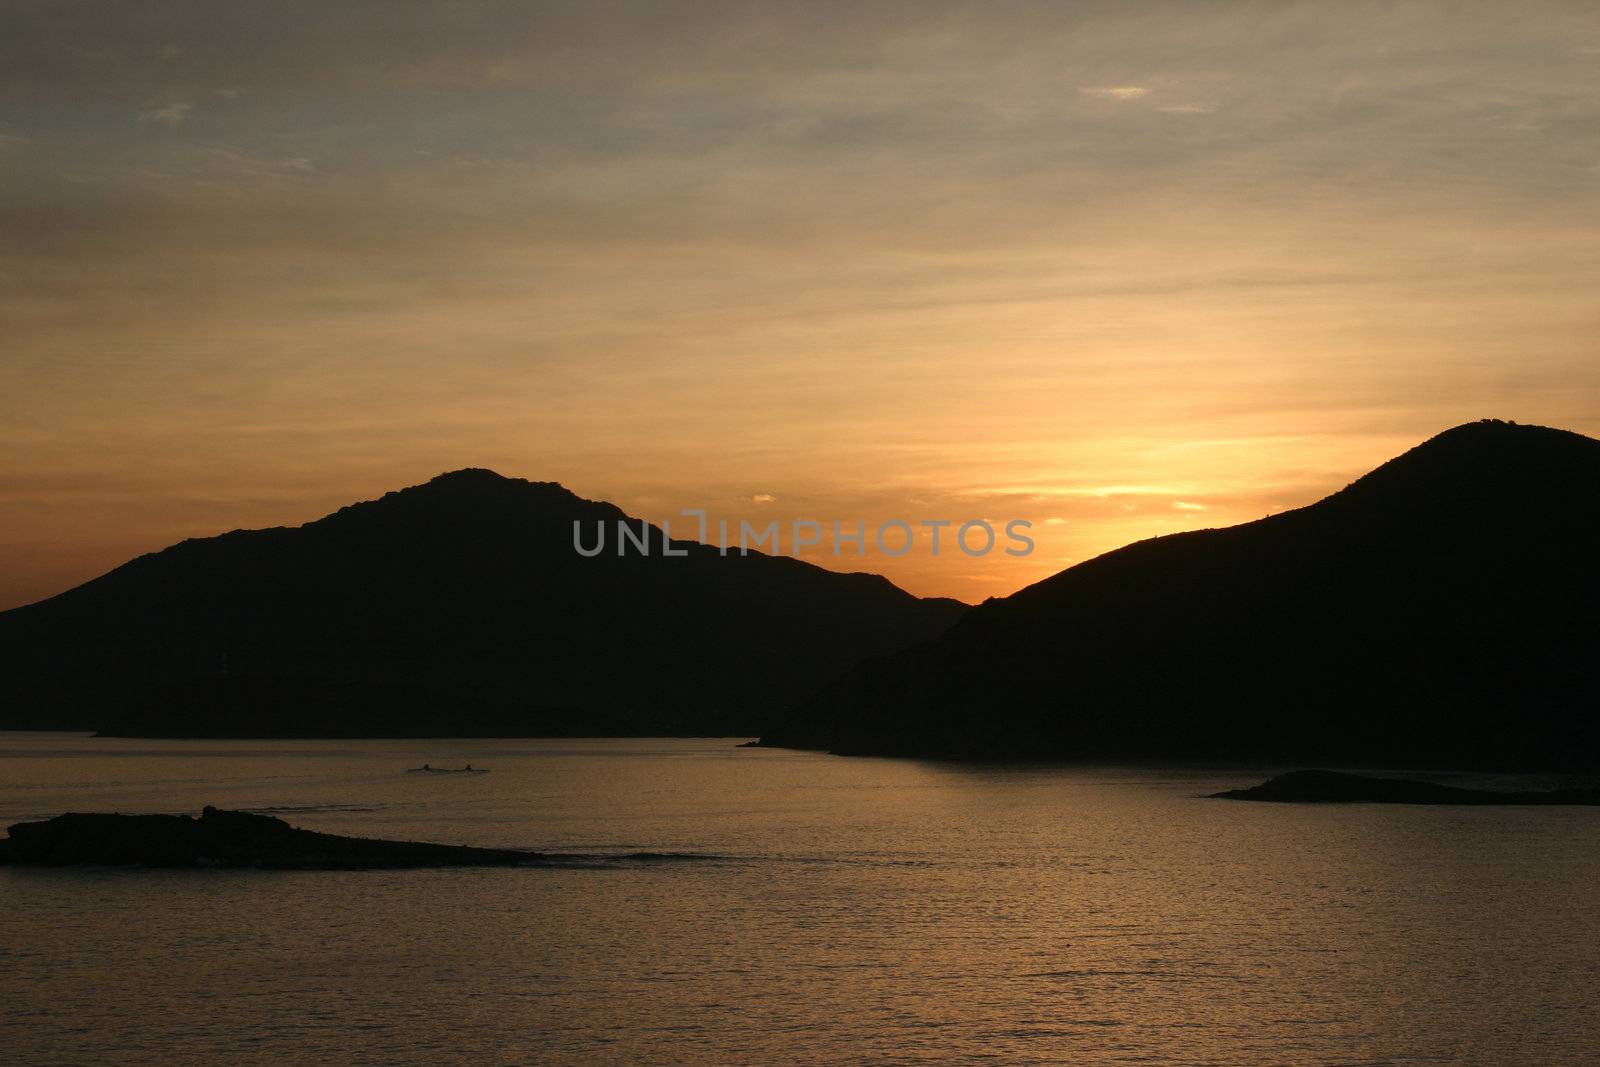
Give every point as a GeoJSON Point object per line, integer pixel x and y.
{"type": "Point", "coordinates": [1442, 610]}
{"type": "Point", "coordinates": [454, 608]}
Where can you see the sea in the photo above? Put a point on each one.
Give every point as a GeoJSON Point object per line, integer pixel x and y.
{"type": "Point", "coordinates": [730, 905]}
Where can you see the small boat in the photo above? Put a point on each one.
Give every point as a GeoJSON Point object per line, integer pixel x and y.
{"type": "Point", "coordinates": [426, 769]}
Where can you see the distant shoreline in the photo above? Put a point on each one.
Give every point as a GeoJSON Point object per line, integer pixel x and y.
{"type": "Point", "coordinates": [1336, 787]}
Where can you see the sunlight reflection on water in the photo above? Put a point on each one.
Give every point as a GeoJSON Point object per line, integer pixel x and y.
{"type": "Point", "coordinates": [795, 907]}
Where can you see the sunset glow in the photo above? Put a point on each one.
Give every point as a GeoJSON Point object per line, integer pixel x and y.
{"type": "Point", "coordinates": [1118, 274]}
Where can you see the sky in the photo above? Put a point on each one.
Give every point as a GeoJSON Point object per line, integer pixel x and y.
{"type": "Point", "coordinates": [1119, 269]}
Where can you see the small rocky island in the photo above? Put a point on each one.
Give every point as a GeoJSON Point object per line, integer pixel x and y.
{"type": "Point", "coordinates": [1337, 787]}
{"type": "Point", "coordinates": [227, 839]}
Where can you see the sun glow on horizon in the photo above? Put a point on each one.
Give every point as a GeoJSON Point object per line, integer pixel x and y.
{"type": "Point", "coordinates": [1117, 275]}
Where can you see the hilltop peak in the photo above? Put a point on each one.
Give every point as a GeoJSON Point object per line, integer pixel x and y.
{"type": "Point", "coordinates": [470, 476]}
{"type": "Point", "coordinates": [479, 484]}
{"type": "Point", "coordinates": [1488, 463]}
{"type": "Point", "coordinates": [479, 479]}
{"type": "Point", "coordinates": [1500, 433]}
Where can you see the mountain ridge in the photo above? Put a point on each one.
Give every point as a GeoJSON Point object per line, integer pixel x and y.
{"type": "Point", "coordinates": [1435, 609]}
{"type": "Point", "coordinates": [454, 607]}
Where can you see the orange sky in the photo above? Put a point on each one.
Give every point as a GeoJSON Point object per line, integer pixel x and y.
{"type": "Point", "coordinates": [1121, 269]}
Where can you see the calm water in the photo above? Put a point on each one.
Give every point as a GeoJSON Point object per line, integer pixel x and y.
{"type": "Point", "coordinates": [840, 910]}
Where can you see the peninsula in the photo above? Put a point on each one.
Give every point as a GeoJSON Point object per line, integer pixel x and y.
{"type": "Point", "coordinates": [227, 839]}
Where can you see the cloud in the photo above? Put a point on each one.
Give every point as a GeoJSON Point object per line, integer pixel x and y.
{"type": "Point", "coordinates": [1189, 109]}
{"type": "Point", "coordinates": [1185, 505]}
{"type": "Point", "coordinates": [11, 140]}
{"type": "Point", "coordinates": [215, 160]}
{"type": "Point", "coordinates": [764, 498]}
{"type": "Point", "coordinates": [1116, 92]}
{"type": "Point", "coordinates": [170, 114]}
{"type": "Point", "coordinates": [1040, 493]}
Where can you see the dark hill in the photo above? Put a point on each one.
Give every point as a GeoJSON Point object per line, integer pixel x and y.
{"type": "Point", "coordinates": [454, 608]}
{"type": "Point", "coordinates": [1443, 610]}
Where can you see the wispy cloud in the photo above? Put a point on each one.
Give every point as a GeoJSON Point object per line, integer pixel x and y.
{"type": "Point", "coordinates": [1041, 493]}
{"type": "Point", "coordinates": [168, 114]}
{"type": "Point", "coordinates": [228, 160]}
{"type": "Point", "coordinates": [1116, 92]}
{"type": "Point", "coordinates": [1187, 505]}
{"type": "Point", "coordinates": [1189, 109]}
{"type": "Point", "coordinates": [764, 498]}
